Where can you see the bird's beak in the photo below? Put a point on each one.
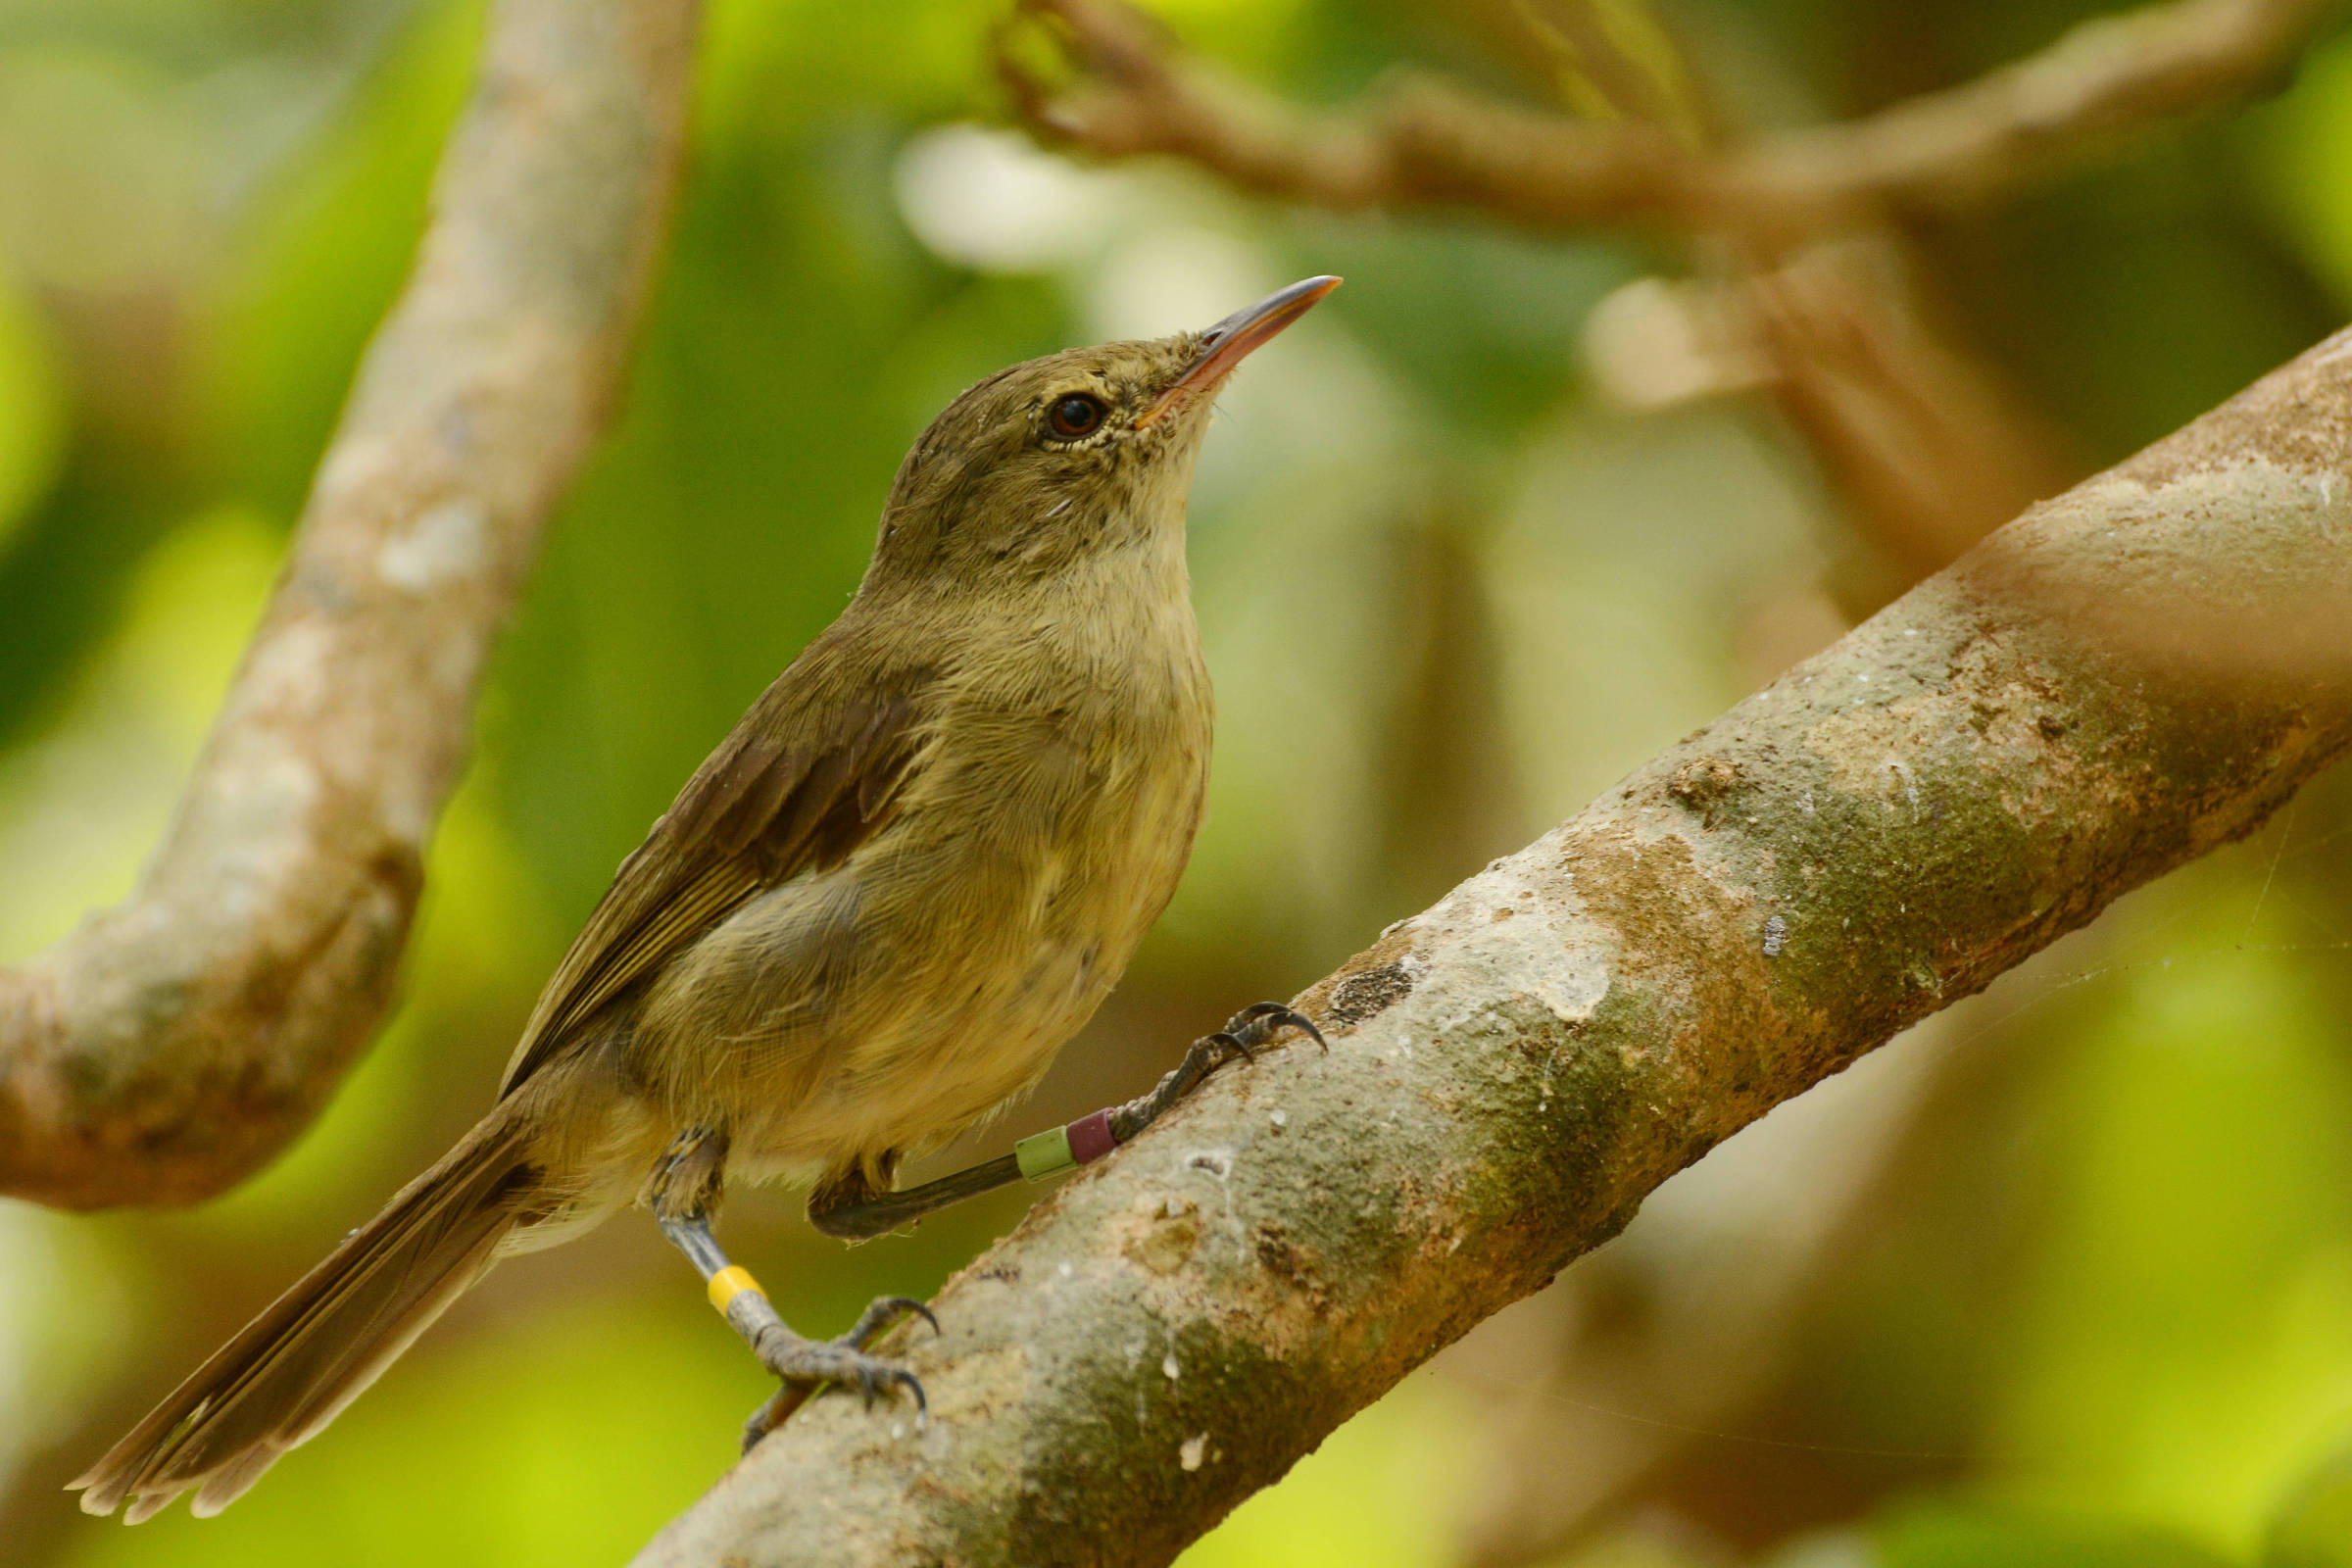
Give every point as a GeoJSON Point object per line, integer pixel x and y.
{"type": "Point", "coordinates": [1226, 344]}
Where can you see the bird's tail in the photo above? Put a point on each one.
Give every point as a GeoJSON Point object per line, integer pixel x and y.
{"type": "Point", "coordinates": [292, 1370]}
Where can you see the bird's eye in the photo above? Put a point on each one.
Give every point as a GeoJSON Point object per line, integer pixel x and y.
{"type": "Point", "coordinates": [1075, 415]}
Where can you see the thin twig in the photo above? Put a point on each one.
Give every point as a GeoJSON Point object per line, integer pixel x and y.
{"type": "Point", "coordinates": [173, 1043]}
{"type": "Point", "coordinates": [1431, 143]}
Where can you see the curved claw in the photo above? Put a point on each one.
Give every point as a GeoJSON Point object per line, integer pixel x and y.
{"type": "Point", "coordinates": [874, 1377]}
{"type": "Point", "coordinates": [807, 1367]}
{"type": "Point", "coordinates": [1232, 1042]}
{"type": "Point", "coordinates": [883, 1312]}
{"type": "Point", "coordinates": [1261, 1020]}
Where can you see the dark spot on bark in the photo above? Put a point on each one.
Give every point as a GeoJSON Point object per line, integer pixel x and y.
{"type": "Point", "coordinates": [1704, 782]}
{"type": "Point", "coordinates": [1368, 994]}
{"type": "Point", "coordinates": [1279, 1254]}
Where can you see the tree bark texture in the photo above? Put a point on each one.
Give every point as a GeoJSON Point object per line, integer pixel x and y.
{"type": "Point", "coordinates": [172, 1044]}
{"type": "Point", "coordinates": [2124, 678]}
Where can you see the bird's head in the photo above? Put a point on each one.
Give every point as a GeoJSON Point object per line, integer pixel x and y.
{"type": "Point", "coordinates": [1058, 458]}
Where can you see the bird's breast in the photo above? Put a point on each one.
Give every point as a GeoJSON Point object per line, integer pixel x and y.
{"type": "Point", "coordinates": [895, 997]}
{"type": "Point", "coordinates": [1086, 790]}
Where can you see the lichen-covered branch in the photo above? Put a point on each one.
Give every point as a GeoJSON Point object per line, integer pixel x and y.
{"type": "Point", "coordinates": [173, 1043]}
{"type": "Point", "coordinates": [1430, 143]}
{"type": "Point", "coordinates": [2119, 681]}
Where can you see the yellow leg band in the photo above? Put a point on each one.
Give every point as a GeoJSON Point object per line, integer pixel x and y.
{"type": "Point", "coordinates": [729, 1283]}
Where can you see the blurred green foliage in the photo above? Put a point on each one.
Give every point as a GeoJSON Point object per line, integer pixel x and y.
{"type": "Point", "coordinates": [2102, 1314]}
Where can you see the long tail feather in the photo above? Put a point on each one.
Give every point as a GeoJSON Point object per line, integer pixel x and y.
{"type": "Point", "coordinates": [312, 1351]}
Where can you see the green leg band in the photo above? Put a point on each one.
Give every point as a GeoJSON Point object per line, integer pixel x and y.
{"type": "Point", "coordinates": [1044, 1155]}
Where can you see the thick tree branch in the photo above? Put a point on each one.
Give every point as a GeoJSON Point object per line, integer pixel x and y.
{"type": "Point", "coordinates": [173, 1043]}
{"type": "Point", "coordinates": [2123, 679]}
{"type": "Point", "coordinates": [1429, 143]}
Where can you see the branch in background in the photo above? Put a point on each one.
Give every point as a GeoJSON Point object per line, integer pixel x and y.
{"type": "Point", "coordinates": [1825, 312]}
{"type": "Point", "coordinates": [176, 1041]}
{"type": "Point", "coordinates": [1931, 452]}
{"type": "Point", "coordinates": [1429, 143]}
{"type": "Point", "coordinates": [1919, 438]}
{"type": "Point", "coordinates": [2103, 82]}
{"type": "Point", "coordinates": [1886, 828]}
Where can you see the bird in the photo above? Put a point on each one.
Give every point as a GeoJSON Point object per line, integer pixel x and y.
{"type": "Point", "coordinates": [868, 922]}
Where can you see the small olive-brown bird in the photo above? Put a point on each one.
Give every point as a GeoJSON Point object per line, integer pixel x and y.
{"type": "Point", "coordinates": [868, 922]}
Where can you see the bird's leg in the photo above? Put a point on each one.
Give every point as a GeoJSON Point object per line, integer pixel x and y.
{"type": "Point", "coordinates": [685, 1186]}
{"type": "Point", "coordinates": [1243, 1033]}
{"type": "Point", "coordinates": [855, 1212]}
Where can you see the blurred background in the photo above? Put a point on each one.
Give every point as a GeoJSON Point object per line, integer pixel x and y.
{"type": "Point", "coordinates": [2064, 1277]}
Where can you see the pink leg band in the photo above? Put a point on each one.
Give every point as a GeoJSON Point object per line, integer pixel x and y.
{"type": "Point", "coordinates": [1089, 1136]}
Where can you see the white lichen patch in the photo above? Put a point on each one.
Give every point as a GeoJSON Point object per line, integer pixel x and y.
{"type": "Point", "coordinates": [1544, 948]}
{"type": "Point", "coordinates": [354, 462]}
{"type": "Point", "coordinates": [1218, 1163]}
{"type": "Point", "coordinates": [292, 666]}
{"type": "Point", "coordinates": [1191, 1450]}
{"type": "Point", "coordinates": [448, 541]}
{"type": "Point", "coordinates": [1910, 783]}
{"type": "Point", "coordinates": [1874, 752]}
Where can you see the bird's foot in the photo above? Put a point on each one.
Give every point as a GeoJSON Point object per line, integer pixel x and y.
{"type": "Point", "coordinates": [1244, 1033]}
{"type": "Point", "coordinates": [803, 1366]}
{"type": "Point", "coordinates": [1262, 1021]}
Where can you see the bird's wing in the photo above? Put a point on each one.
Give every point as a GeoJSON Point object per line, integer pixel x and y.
{"type": "Point", "coordinates": [814, 769]}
